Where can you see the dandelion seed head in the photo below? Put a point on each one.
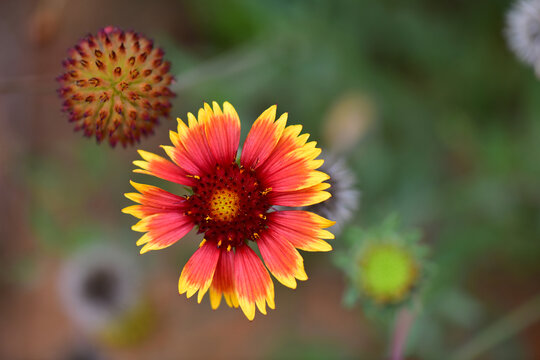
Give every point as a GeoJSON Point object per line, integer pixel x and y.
{"type": "Point", "coordinates": [523, 30]}
{"type": "Point", "coordinates": [345, 199]}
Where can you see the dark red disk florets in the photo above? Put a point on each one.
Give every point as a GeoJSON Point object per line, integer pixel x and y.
{"type": "Point", "coordinates": [116, 86]}
{"type": "Point", "coordinates": [229, 205]}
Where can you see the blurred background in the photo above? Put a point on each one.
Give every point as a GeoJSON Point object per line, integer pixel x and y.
{"type": "Point", "coordinates": [433, 114]}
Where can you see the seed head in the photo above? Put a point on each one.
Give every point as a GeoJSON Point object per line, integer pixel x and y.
{"type": "Point", "coordinates": [342, 205]}
{"type": "Point", "coordinates": [523, 31]}
{"type": "Point", "coordinates": [116, 86]}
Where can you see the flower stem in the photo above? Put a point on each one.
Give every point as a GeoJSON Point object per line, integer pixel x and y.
{"type": "Point", "coordinates": [510, 324]}
{"type": "Point", "coordinates": [222, 66]}
{"type": "Point", "coordinates": [402, 326]}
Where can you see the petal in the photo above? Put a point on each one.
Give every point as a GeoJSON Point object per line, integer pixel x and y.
{"type": "Point", "coordinates": [182, 159]}
{"type": "Point", "coordinates": [304, 155]}
{"type": "Point", "coordinates": [223, 281]}
{"type": "Point", "coordinates": [199, 270]}
{"type": "Point", "coordinates": [162, 230]}
{"type": "Point", "coordinates": [303, 197]}
{"type": "Point", "coordinates": [162, 168]}
{"type": "Point", "coordinates": [209, 140]}
{"type": "Point", "coordinates": [289, 141]}
{"type": "Point", "coordinates": [303, 229]}
{"type": "Point", "coordinates": [191, 145]}
{"type": "Point", "coordinates": [281, 258]}
{"type": "Point", "coordinates": [294, 171]}
{"type": "Point", "coordinates": [223, 133]}
{"type": "Point", "coordinates": [253, 284]}
{"type": "Point", "coordinates": [262, 138]}
{"type": "Point", "coordinates": [153, 200]}
{"type": "Point", "coordinates": [291, 164]}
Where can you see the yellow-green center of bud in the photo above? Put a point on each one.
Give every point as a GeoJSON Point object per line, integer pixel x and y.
{"type": "Point", "coordinates": [388, 272]}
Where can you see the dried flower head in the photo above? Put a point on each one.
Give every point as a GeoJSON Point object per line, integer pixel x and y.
{"type": "Point", "coordinates": [523, 31]}
{"type": "Point", "coordinates": [116, 86]}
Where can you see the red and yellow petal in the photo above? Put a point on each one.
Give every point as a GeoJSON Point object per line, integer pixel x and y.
{"type": "Point", "coordinates": [281, 258]}
{"type": "Point", "coordinates": [291, 167]}
{"type": "Point", "coordinates": [162, 168]}
{"type": "Point", "coordinates": [153, 200]}
{"type": "Point", "coordinates": [223, 281]}
{"type": "Point", "coordinates": [304, 155]}
{"type": "Point", "coordinates": [303, 197]}
{"type": "Point", "coordinates": [211, 139]}
{"type": "Point", "coordinates": [198, 273]}
{"type": "Point", "coordinates": [253, 283]}
{"type": "Point", "coordinates": [295, 171]}
{"type": "Point", "coordinates": [303, 229]}
{"type": "Point", "coordinates": [191, 149]}
{"type": "Point", "coordinates": [182, 159]}
{"type": "Point", "coordinates": [262, 138]}
{"type": "Point", "coordinates": [162, 230]}
{"type": "Point", "coordinates": [289, 141]}
{"type": "Point", "coordinates": [222, 132]}
{"type": "Point", "coordinates": [195, 141]}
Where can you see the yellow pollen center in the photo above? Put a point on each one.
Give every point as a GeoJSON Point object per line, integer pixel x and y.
{"type": "Point", "coordinates": [224, 205]}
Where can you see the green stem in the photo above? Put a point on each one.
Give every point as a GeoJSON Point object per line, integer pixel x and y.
{"type": "Point", "coordinates": [219, 67]}
{"type": "Point", "coordinates": [222, 66]}
{"type": "Point", "coordinates": [515, 321]}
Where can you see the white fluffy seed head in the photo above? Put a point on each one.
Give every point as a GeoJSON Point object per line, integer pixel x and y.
{"type": "Point", "coordinates": [523, 31]}
{"type": "Point", "coordinates": [345, 199]}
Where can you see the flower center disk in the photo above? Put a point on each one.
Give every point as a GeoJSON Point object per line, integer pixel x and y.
{"type": "Point", "coordinates": [229, 205]}
{"type": "Point", "coordinates": [224, 205]}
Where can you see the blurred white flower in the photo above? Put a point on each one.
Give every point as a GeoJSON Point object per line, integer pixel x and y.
{"type": "Point", "coordinates": [523, 31]}
{"type": "Point", "coordinates": [98, 285]}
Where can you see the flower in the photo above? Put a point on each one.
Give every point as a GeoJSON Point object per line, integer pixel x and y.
{"type": "Point", "coordinates": [523, 30]}
{"type": "Point", "coordinates": [232, 205]}
{"type": "Point", "coordinates": [384, 264]}
{"type": "Point", "coordinates": [98, 285]}
{"type": "Point", "coordinates": [343, 203]}
{"type": "Point", "coordinates": [115, 86]}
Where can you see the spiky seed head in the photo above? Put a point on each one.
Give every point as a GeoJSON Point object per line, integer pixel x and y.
{"type": "Point", "coordinates": [116, 86]}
